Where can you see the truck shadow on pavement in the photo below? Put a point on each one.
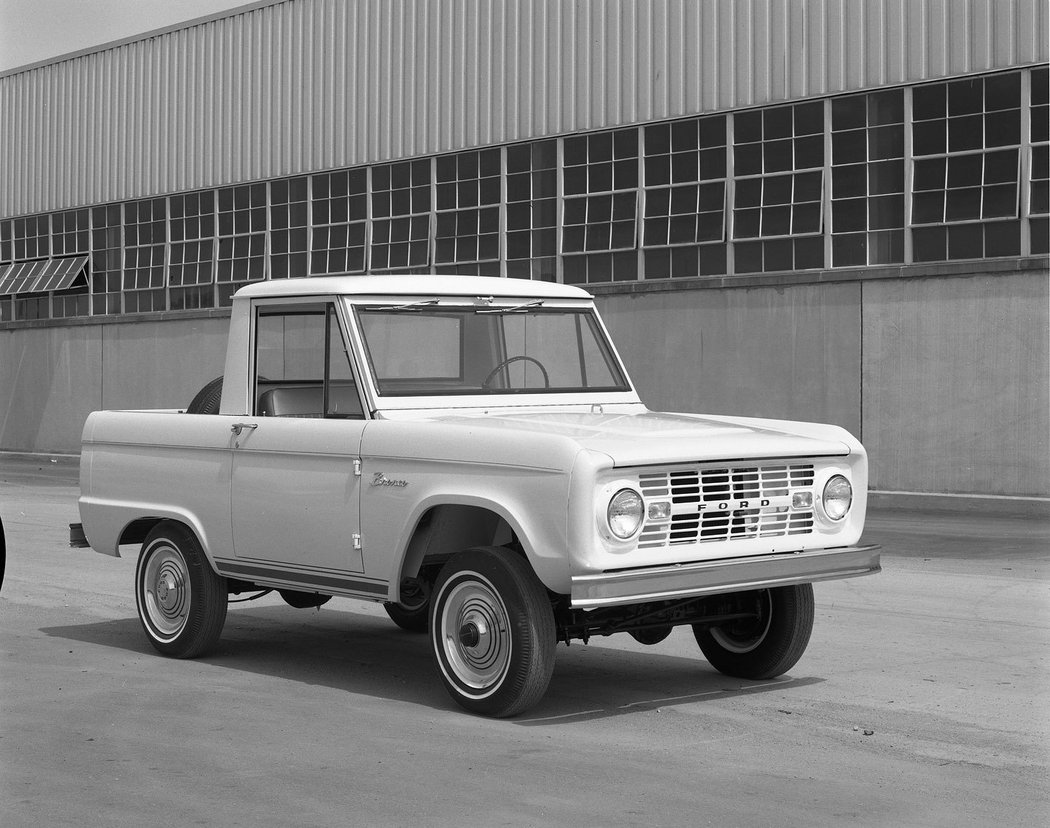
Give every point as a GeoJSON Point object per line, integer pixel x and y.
{"type": "Point", "coordinates": [367, 655]}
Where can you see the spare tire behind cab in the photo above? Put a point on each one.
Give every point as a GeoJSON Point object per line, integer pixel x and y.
{"type": "Point", "coordinates": [207, 399]}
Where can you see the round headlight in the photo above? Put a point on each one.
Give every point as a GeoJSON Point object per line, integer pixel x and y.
{"type": "Point", "coordinates": [838, 495]}
{"type": "Point", "coordinates": [625, 513]}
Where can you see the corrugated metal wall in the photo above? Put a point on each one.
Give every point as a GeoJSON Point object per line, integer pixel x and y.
{"type": "Point", "coordinates": [318, 84]}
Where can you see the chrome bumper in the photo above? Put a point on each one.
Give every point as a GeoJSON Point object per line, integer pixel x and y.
{"type": "Point", "coordinates": [662, 583]}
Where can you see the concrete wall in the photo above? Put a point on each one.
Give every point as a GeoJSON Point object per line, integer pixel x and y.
{"type": "Point", "coordinates": [945, 376]}
{"type": "Point", "coordinates": [955, 384]}
{"type": "Point", "coordinates": [793, 353]}
{"type": "Point", "coordinates": [51, 378]}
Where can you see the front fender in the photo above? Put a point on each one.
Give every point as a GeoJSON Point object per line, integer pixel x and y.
{"type": "Point", "coordinates": [531, 502]}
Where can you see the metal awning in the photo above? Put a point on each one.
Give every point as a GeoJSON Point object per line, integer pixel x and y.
{"type": "Point", "coordinates": [43, 275]}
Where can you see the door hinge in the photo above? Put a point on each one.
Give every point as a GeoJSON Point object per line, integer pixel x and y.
{"type": "Point", "coordinates": [357, 467]}
{"type": "Point", "coordinates": [356, 538]}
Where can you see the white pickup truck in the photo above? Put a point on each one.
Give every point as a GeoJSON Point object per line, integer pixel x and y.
{"type": "Point", "coordinates": [470, 452]}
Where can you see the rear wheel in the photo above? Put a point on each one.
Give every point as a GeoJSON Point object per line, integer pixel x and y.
{"type": "Point", "coordinates": [768, 642]}
{"type": "Point", "coordinates": [492, 629]}
{"type": "Point", "coordinates": [181, 600]}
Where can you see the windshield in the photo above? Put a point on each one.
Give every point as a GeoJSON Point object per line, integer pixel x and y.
{"type": "Point", "coordinates": [423, 349]}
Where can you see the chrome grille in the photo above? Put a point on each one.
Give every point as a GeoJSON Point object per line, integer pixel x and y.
{"type": "Point", "coordinates": [727, 503]}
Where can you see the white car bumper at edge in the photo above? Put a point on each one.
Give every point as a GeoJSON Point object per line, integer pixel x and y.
{"type": "Point", "coordinates": [663, 583]}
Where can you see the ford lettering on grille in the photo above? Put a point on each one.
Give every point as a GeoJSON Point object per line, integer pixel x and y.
{"type": "Point", "coordinates": [711, 504]}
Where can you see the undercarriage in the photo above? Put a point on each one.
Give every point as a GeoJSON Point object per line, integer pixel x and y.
{"type": "Point", "coordinates": [651, 622]}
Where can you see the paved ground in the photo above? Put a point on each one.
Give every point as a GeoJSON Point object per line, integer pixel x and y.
{"type": "Point", "coordinates": [923, 700]}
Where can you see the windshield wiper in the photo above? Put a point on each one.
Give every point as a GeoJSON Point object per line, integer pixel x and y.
{"type": "Point", "coordinates": [423, 303]}
{"type": "Point", "coordinates": [522, 308]}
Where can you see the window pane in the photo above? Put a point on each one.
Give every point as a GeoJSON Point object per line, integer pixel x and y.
{"type": "Point", "coordinates": [849, 112]}
{"type": "Point", "coordinates": [1000, 201]}
{"type": "Point", "coordinates": [929, 102]}
{"type": "Point", "coordinates": [965, 96]}
{"type": "Point", "coordinates": [1002, 92]}
{"type": "Point", "coordinates": [929, 138]}
{"type": "Point", "coordinates": [886, 247]}
{"type": "Point", "coordinates": [886, 212]}
{"type": "Point", "coordinates": [1002, 238]}
{"type": "Point", "coordinates": [849, 181]}
{"type": "Point", "coordinates": [965, 133]}
{"type": "Point", "coordinates": [850, 215]}
{"type": "Point", "coordinates": [930, 244]}
{"type": "Point", "coordinates": [965, 242]}
{"type": "Point", "coordinates": [963, 205]}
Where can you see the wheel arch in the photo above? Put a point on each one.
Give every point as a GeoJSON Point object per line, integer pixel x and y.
{"type": "Point", "coordinates": [442, 526]}
{"type": "Point", "coordinates": [135, 530]}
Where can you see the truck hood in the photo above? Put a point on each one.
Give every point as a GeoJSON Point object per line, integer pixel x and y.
{"type": "Point", "coordinates": [662, 438]}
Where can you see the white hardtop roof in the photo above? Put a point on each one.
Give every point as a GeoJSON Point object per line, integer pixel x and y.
{"type": "Point", "coordinates": [413, 285]}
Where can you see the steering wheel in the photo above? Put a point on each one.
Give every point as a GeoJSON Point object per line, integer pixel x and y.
{"type": "Point", "coordinates": [519, 358]}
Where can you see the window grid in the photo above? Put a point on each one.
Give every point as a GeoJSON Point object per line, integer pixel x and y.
{"type": "Point", "coordinates": [32, 306]}
{"type": "Point", "coordinates": [289, 227]}
{"type": "Point", "coordinates": [145, 237]}
{"type": "Point", "coordinates": [966, 150]}
{"type": "Point", "coordinates": [867, 178]}
{"type": "Point", "coordinates": [70, 232]}
{"type": "Point", "coordinates": [532, 210]}
{"type": "Point", "coordinates": [600, 206]}
{"type": "Point", "coordinates": [685, 176]}
{"type": "Point", "coordinates": [191, 263]}
{"type": "Point", "coordinates": [467, 209]}
{"type": "Point", "coordinates": [70, 303]}
{"type": "Point", "coordinates": [6, 244]}
{"type": "Point", "coordinates": [340, 219]}
{"type": "Point", "coordinates": [6, 302]}
{"type": "Point", "coordinates": [937, 171]}
{"type": "Point", "coordinates": [191, 271]}
{"type": "Point", "coordinates": [241, 247]}
{"type": "Point", "coordinates": [1039, 163]}
{"type": "Point", "coordinates": [401, 198]}
{"type": "Point", "coordinates": [107, 245]}
{"type": "Point", "coordinates": [778, 200]}
{"type": "Point", "coordinates": [32, 237]}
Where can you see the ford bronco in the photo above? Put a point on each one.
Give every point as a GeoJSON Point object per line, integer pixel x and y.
{"type": "Point", "coordinates": [471, 453]}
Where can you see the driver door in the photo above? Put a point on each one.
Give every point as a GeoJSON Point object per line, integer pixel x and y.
{"type": "Point", "coordinates": [296, 491]}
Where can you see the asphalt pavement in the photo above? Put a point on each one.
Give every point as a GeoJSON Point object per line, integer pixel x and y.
{"type": "Point", "coordinates": [923, 700]}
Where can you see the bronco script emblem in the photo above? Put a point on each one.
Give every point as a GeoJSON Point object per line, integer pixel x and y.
{"type": "Point", "coordinates": [380, 479]}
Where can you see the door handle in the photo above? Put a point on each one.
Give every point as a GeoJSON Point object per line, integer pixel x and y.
{"type": "Point", "coordinates": [237, 428]}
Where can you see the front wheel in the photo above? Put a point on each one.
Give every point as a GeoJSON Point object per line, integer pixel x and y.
{"type": "Point", "coordinates": [492, 629]}
{"type": "Point", "coordinates": [769, 641]}
{"type": "Point", "coordinates": [181, 600]}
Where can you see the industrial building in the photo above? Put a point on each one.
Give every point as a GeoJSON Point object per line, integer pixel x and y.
{"type": "Point", "coordinates": [822, 210]}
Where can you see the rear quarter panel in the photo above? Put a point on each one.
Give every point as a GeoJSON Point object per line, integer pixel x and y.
{"type": "Point", "coordinates": [164, 464]}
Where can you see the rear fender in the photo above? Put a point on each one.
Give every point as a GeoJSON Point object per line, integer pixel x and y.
{"type": "Point", "coordinates": [127, 523]}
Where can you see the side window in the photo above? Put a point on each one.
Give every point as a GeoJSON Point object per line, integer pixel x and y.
{"type": "Point", "coordinates": [302, 368]}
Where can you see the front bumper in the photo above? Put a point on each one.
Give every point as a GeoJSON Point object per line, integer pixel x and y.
{"type": "Point", "coordinates": [633, 586]}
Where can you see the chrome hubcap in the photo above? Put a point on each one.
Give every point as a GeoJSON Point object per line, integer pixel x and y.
{"type": "Point", "coordinates": [166, 590]}
{"type": "Point", "coordinates": [475, 635]}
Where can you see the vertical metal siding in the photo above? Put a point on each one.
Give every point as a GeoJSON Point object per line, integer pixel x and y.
{"type": "Point", "coordinates": [306, 85]}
